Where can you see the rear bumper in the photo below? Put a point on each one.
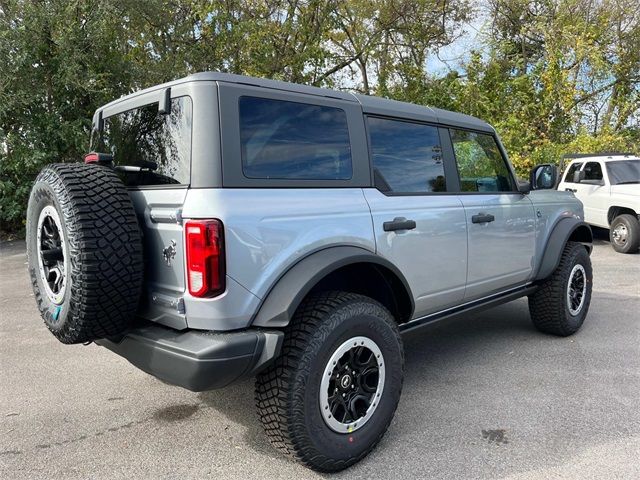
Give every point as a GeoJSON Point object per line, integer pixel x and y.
{"type": "Point", "coordinates": [194, 359]}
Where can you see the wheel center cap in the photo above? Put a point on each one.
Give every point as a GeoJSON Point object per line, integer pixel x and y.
{"type": "Point", "coordinates": [345, 381]}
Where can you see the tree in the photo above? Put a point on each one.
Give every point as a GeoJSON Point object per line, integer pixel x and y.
{"type": "Point", "coordinates": [552, 76]}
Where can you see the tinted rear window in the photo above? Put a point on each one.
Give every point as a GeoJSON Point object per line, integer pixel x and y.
{"type": "Point", "coordinates": [290, 140]}
{"type": "Point", "coordinates": [141, 137]}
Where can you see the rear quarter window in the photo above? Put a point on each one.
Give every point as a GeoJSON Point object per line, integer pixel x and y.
{"type": "Point", "coordinates": [151, 148]}
{"type": "Point", "coordinates": [290, 140]}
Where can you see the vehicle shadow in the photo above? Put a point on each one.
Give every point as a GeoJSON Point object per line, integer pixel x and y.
{"type": "Point", "coordinates": [600, 236]}
{"type": "Point", "coordinates": [236, 402]}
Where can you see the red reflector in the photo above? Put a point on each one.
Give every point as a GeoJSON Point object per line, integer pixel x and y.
{"type": "Point", "coordinates": [91, 157]}
{"type": "Point", "coordinates": [97, 157]}
{"type": "Point", "coordinates": [205, 257]}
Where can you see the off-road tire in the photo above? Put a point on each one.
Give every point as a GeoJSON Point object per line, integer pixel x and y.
{"type": "Point", "coordinates": [104, 269]}
{"type": "Point", "coordinates": [632, 242]}
{"type": "Point", "coordinates": [548, 306]}
{"type": "Point", "coordinates": [287, 392]}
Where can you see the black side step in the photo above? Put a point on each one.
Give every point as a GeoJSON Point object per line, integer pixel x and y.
{"type": "Point", "coordinates": [467, 308]}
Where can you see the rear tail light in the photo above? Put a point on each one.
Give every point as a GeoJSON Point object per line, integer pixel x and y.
{"type": "Point", "coordinates": [205, 257]}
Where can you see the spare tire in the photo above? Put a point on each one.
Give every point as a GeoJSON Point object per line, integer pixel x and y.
{"type": "Point", "coordinates": [84, 250]}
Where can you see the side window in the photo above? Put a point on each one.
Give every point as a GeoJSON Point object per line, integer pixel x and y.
{"type": "Point", "coordinates": [407, 157]}
{"type": "Point", "coordinates": [480, 163]}
{"type": "Point", "coordinates": [157, 146]}
{"type": "Point", "coordinates": [290, 140]}
{"type": "Point", "coordinates": [572, 169]}
{"type": "Point", "coordinates": [593, 171]}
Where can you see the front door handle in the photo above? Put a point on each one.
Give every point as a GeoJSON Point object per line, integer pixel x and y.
{"type": "Point", "coordinates": [399, 223]}
{"type": "Point", "coordinates": [483, 218]}
{"type": "Point", "coordinates": [574, 190]}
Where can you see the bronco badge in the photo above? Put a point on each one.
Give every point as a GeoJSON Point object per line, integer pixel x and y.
{"type": "Point", "coordinates": [169, 252]}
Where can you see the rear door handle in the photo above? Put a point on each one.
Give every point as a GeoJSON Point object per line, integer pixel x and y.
{"type": "Point", "coordinates": [483, 218]}
{"type": "Point", "coordinates": [574, 190]}
{"type": "Point", "coordinates": [399, 223]}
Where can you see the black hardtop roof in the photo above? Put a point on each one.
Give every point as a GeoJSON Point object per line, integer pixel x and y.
{"type": "Point", "coordinates": [370, 104]}
{"type": "Point", "coordinates": [394, 108]}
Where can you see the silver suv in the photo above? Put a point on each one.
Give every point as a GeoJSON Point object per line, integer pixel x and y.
{"type": "Point", "coordinates": [228, 227]}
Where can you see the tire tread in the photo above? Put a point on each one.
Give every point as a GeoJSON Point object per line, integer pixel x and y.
{"type": "Point", "coordinates": [275, 400]}
{"type": "Point", "coordinates": [105, 250]}
{"type": "Point", "coordinates": [546, 305]}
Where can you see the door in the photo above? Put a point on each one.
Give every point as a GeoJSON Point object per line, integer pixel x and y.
{"type": "Point", "coordinates": [500, 221]}
{"type": "Point", "coordinates": [593, 194]}
{"type": "Point", "coordinates": [418, 223]}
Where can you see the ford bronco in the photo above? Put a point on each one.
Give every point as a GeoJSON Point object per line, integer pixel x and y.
{"type": "Point", "coordinates": [227, 227]}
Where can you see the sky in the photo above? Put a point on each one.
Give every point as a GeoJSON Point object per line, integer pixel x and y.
{"type": "Point", "coordinates": [454, 55]}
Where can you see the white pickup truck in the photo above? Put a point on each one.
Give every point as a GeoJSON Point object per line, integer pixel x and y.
{"type": "Point", "coordinates": [609, 188]}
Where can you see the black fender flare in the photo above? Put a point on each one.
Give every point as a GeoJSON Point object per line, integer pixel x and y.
{"type": "Point", "coordinates": [560, 235]}
{"type": "Point", "coordinates": [282, 300]}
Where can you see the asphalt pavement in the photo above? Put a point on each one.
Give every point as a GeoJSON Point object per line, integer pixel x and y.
{"type": "Point", "coordinates": [485, 397]}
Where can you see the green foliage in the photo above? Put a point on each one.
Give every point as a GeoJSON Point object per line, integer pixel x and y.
{"type": "Point", "coordinates": [552, 76]}
{"type": "Point", "coordinates": [59, 64]}
{"type": "Point", "coordinates": [558, 77]}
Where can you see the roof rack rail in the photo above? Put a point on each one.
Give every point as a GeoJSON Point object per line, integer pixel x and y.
{"type": "Point", "coordinates": [596, 154]}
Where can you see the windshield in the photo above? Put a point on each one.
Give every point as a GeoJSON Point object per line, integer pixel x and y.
{"type": "Point", "coordinates": [624, 171]}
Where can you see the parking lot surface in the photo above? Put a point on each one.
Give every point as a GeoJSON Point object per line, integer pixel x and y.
{"type": "Point", "coordinates": [484, 397]}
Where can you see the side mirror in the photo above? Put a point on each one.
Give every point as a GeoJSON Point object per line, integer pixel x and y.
{"type": "Point", "coordinates": [524, 187]}
{"type": "Point", "coordinates": [164, 105]}
{"type": "Point", "coordinates": [544, 177]}
{"type": "Point", "coordinates": [578, 176]}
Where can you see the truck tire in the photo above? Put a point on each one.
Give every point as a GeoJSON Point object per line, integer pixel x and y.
{"type": "Point", "coordinates": [330, 396]}
{"type": "Point", "coordinates": [561, 303]}
{"type": "Point", "coordinates": [625, 233]}
{"type": "Point", "coordinates": [84, 251]}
